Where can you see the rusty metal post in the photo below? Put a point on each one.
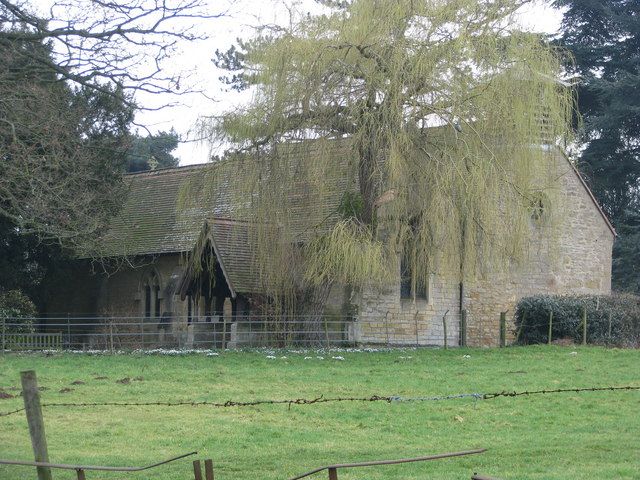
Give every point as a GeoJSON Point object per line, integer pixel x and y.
{"type": "Point", "coordinates": [333, 474]}
{"type": "Point", "coordinates": [80, 474]}
{"type": "Point", "coordinates": [208, 469]}
{"type": "Point", "coordinates": [197, 470]}
{"type": "Point", "coordinates": [31, 397]}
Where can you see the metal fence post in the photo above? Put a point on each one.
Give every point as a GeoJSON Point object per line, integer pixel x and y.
{"type": "Point", "coordinates": [4, 345]}
{"type": "Point", "coordinates": [524, 317]}
{"type": "Point", "coordinates": [111, 335]}
{"type": "Point", "coordinates": [550, 326]}
{"type": "Point", "coordinates": [33, 410]}
{"type": "Point", "coordinates": [333, 473]}
{"type": "Point", "coordinates": [584, 325]}
{"type": "Point", "coordinates": [463, 328]}
{"type": "Point", "coordinates": [503, 329]}
{"type": "Point", "coordinates": [386, 327]}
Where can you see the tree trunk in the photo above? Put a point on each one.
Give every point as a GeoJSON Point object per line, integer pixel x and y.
{"type": "Point", "coordinates": [314, 326]}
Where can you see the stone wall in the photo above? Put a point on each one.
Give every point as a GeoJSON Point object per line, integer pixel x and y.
{"type": "Point", "coordinates": [580, 262]}
{"type": "Point", "coordinates": [121, 294]}
{"type": "Point", "coordinates": [384, 317]}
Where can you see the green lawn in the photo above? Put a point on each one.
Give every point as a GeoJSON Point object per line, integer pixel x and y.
{"type": "Point", "coordinates": [564, 436]}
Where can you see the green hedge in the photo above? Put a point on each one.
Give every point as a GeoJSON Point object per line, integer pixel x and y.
{"type": "Point", "coordinates": [621, 311]}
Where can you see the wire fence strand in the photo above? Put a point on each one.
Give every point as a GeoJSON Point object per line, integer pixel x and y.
{"type": "Point", "coordinates": [323, 399]}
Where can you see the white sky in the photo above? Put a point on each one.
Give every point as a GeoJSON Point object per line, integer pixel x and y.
{"type": "Point", "coordinates": [241, 16]}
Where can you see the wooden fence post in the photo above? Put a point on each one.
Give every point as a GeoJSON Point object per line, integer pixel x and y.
{"type": "Point", "coordinates": [550, 326]}
{"type": "Point", "coordinates": [33, 410]}
{"type": "Point", "coordinates": [333, 473]}
{"type": "Point", "coordinates": [197, 470]}
{"type": "Point", "coordinates": [584, 325]}
{"type": "Point", "coordinates": [503, 329]}
{"type": "Point", "coordinates": [208, 469]}
{"type": "Point", "coordinates": [444, 328]}
{"type": "Point", "coordinates": [463, 328]}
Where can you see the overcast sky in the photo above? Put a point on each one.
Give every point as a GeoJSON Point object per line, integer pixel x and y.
{"type": "Point", "coordinates": [240, 17]}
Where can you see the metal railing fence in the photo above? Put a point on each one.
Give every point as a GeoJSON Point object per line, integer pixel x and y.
{"type": "Point", "coordinates": [224, 332]}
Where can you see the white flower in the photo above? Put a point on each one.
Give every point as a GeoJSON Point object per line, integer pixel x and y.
{"type": "Point", "coordinates": [338, 358]}
{"type": "Point", "coordinates": [271, 357]}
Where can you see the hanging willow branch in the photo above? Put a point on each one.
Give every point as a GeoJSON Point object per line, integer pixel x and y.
{"type": "Point", "coordinates": [433, 118]}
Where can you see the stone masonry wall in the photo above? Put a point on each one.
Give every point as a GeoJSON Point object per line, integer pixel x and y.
{"type": "Point", "coordinates": [580, 263]}
{"type": "Point", "coordinates": [383, 317]}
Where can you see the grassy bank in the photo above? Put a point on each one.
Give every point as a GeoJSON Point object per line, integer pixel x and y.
{"type": "Point", "coordinates": [564, 436]}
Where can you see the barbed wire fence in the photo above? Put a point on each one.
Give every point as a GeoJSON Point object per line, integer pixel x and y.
{"type": "Point", "coordinates": [323, 399]}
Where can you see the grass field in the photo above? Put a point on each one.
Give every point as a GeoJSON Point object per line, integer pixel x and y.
{"type": "Point", "coordinates": [564, 436]}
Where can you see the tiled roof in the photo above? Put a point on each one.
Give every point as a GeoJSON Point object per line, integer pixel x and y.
{"type": "Point", "coordinates": [153, 220]}
{"type": "Point", "coordinates": [232, 244]}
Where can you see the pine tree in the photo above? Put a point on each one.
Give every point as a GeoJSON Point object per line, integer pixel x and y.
{"type": "Point", "coordinates": [604, 38]}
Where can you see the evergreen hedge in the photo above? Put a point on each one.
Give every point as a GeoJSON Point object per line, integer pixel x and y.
{"type": "Point", "coordinates": [618, 312]}
{"type": "Point", "coordinates": [18, 310]}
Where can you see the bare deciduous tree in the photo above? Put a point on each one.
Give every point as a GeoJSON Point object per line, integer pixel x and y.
{"type": "Point", "coordinates": [70, 83]}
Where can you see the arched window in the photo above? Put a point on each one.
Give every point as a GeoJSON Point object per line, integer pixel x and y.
{"type": "Point", "coordinates": [151, 295]}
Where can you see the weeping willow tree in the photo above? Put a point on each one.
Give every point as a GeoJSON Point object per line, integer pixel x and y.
{"type": "Point", "coordinates": [390, 129]}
